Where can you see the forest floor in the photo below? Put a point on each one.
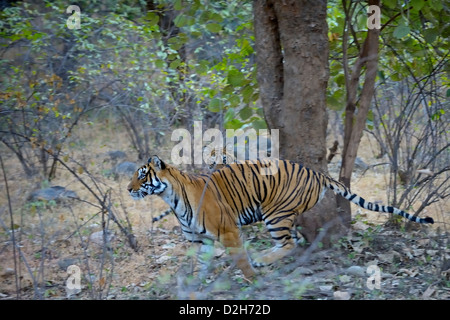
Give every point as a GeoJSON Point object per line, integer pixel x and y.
{"type": "Point", "coordinates": [373, 261]}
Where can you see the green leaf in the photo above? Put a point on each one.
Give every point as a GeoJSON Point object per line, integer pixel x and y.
{"type": "Point", "coordinates": [177, 42]}
{"type": "Point", "coordinates": [180, 21]}
{"type": "Point", "coordinates": [152, 18]}
{"type": "Point", "coordinates": [202, 67]}
{"type": "Point", "coordinates": [260, 112]}
{"type": "Point", "coordinates": [216, 17]}
{"type": "Point", "coordinates": [245, 113]}
{"type": "Point", "coordinates": [233, 124]}
{"type": "Point", "coordinates": [392, 4]}
{"type": "Point", "coordinates": [259, 124]}
{"type": "Point", "coordinates": [247, 93]}
{"type": "Point", "coordinates": [235, 78]}
{"type": "Point", "coordinates": [437, 115]}
{"type": "Point", "coordinates": [215, 105]}
{"type": "Point", "coordinates": [335, 101]}
{"type": "Point", "coordinates": [401, 31]}
{"type": "Point", "coordinates": [437, 4]}
{"type": "Point", "coordinates": [178, 5]}
{"type": "Point", "coordinates": [430, 34]}
{"type": "Point", "coordinates": [234, 100]}
{"type": "Point", "coordinates": [370, 116]}
{"type": "Point", "coordinates": [416, 5]}
{"type": "Point", "coordinates": [246, 47]}
{"type": "Point", "coordinates": [396, 76]}
{"type": "Point", "coordinates": [175, 64]}
{"type": "Point", "coordinates": [381, 75]}
{"type": "Point", "coordinates": [340, 80]}
{"type": "Point", "coordinates": [213, 27]}
{"type": "Point", "coordinates": [37, 36]}
{"type": "Point", "coordinates": [229, 115]}
{"type": "Point", "coordinates": [160, 63]}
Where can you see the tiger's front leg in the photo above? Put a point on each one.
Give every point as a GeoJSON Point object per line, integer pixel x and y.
{"type": "Point", "coordinates": [233, 242]}
{"type": "Point", "coordinates": [204, 255]}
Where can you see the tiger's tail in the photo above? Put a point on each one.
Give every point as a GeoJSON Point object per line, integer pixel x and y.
{"type": "Point", "coordinates": [342, 190]}
{"type": "Point", "coordinates": [162, 215]}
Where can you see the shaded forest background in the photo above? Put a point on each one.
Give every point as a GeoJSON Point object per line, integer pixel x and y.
{"type": "Point", "coordinates": [82, 107]}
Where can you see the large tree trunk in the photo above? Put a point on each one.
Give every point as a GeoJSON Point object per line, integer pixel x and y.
{"type": "Point", "coordinates": [292, 60]}
{"type": "Point", "coordinates": [356, 122]}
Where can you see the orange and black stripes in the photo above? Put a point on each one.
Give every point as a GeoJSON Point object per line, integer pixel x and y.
{"type": "Point", "coordinates": [252, 197]}
{"type": "Point", "coordinates": [215, 206]}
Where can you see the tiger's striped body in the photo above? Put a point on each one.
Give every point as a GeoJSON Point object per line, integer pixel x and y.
{"type": "Point", "coordinates": [215, 206]}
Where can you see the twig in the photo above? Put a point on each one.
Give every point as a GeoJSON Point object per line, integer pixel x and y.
{"type": "Point", "coordinates": [86, 256]}
{"type": "Point", "coordinates": [13, 238]}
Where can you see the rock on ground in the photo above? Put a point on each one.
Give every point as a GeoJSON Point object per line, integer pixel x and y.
{"type": "Point", "coordinates": [52, 193]}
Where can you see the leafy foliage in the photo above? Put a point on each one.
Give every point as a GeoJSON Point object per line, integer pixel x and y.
{"type": "Point", "coordinates": [409, 120]}
{"type": "Point", "coordinates": [125, 59]}
{"type": "Point", "coordinates": [414, 37]}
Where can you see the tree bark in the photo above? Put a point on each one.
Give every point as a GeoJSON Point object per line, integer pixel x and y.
{"type": "Point", "coordinates": [292, 61]}
{"type": "Point", "coordinates": [269, 59]}
{"type": "Point", "coordinates": [356, 122]}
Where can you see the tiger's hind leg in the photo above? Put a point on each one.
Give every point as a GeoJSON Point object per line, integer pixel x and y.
{"type": "Point", "coordinates": [233, 242]}
{"type": "Point", "coordinates": [280, 229]}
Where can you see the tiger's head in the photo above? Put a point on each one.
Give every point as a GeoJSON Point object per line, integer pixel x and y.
{"type": "Point", "coordinates": [147, 180]}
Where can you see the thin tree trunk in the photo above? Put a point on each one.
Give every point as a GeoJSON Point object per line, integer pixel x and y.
{"type": "Point", "coordinates": [355, 123]}
{"type": "Point", "coordinates": [269, 62]}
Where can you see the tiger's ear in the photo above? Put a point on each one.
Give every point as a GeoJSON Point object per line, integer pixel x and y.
{"type": "Point", "coordinates": [157, 162]}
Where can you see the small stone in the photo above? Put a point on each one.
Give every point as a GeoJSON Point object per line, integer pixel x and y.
{"type": "Point", "coordinates": [358, 225]}
{"type": "Point", "coordinates": [72, 292]}
{"type": "Point", "coordinates": [341, 295]}
{"type": "Point", "coordinates": [64, 263]}
{"type": "Point", "coordinates": [356, 271]}
{"type": "Point", "coordinates": [326, 288]}
{"type": "Point", "coordinates": [97, 237]}
{"type": "Point", "coordinates": [304, 271]}
{"type": "Point", "coordinates": [169, 245]}
{"type": "Point", "coordinates": [52, 193]}
{"type": "Point", "coordinates": [360, 164]}
{"type": "Point", "coordinates": [126, 168]}
{"type": "Point", "coordinates": [8, 272]}
{"type": "Point", "coordinates": [345, 278]}
{"type": "Point", "coordinates": [162, 259]}
{"type": "Point", "coordinates": [116, 155]}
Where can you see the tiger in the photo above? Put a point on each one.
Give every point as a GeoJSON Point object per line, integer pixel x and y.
{"type": "Point", "coordinates": [214, 206]}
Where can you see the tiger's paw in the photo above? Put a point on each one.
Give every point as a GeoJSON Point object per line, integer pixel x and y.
{"type": "Point", "coordinates": [261, 261]}
{"type": "Point", "coordinates": [271, 255]}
